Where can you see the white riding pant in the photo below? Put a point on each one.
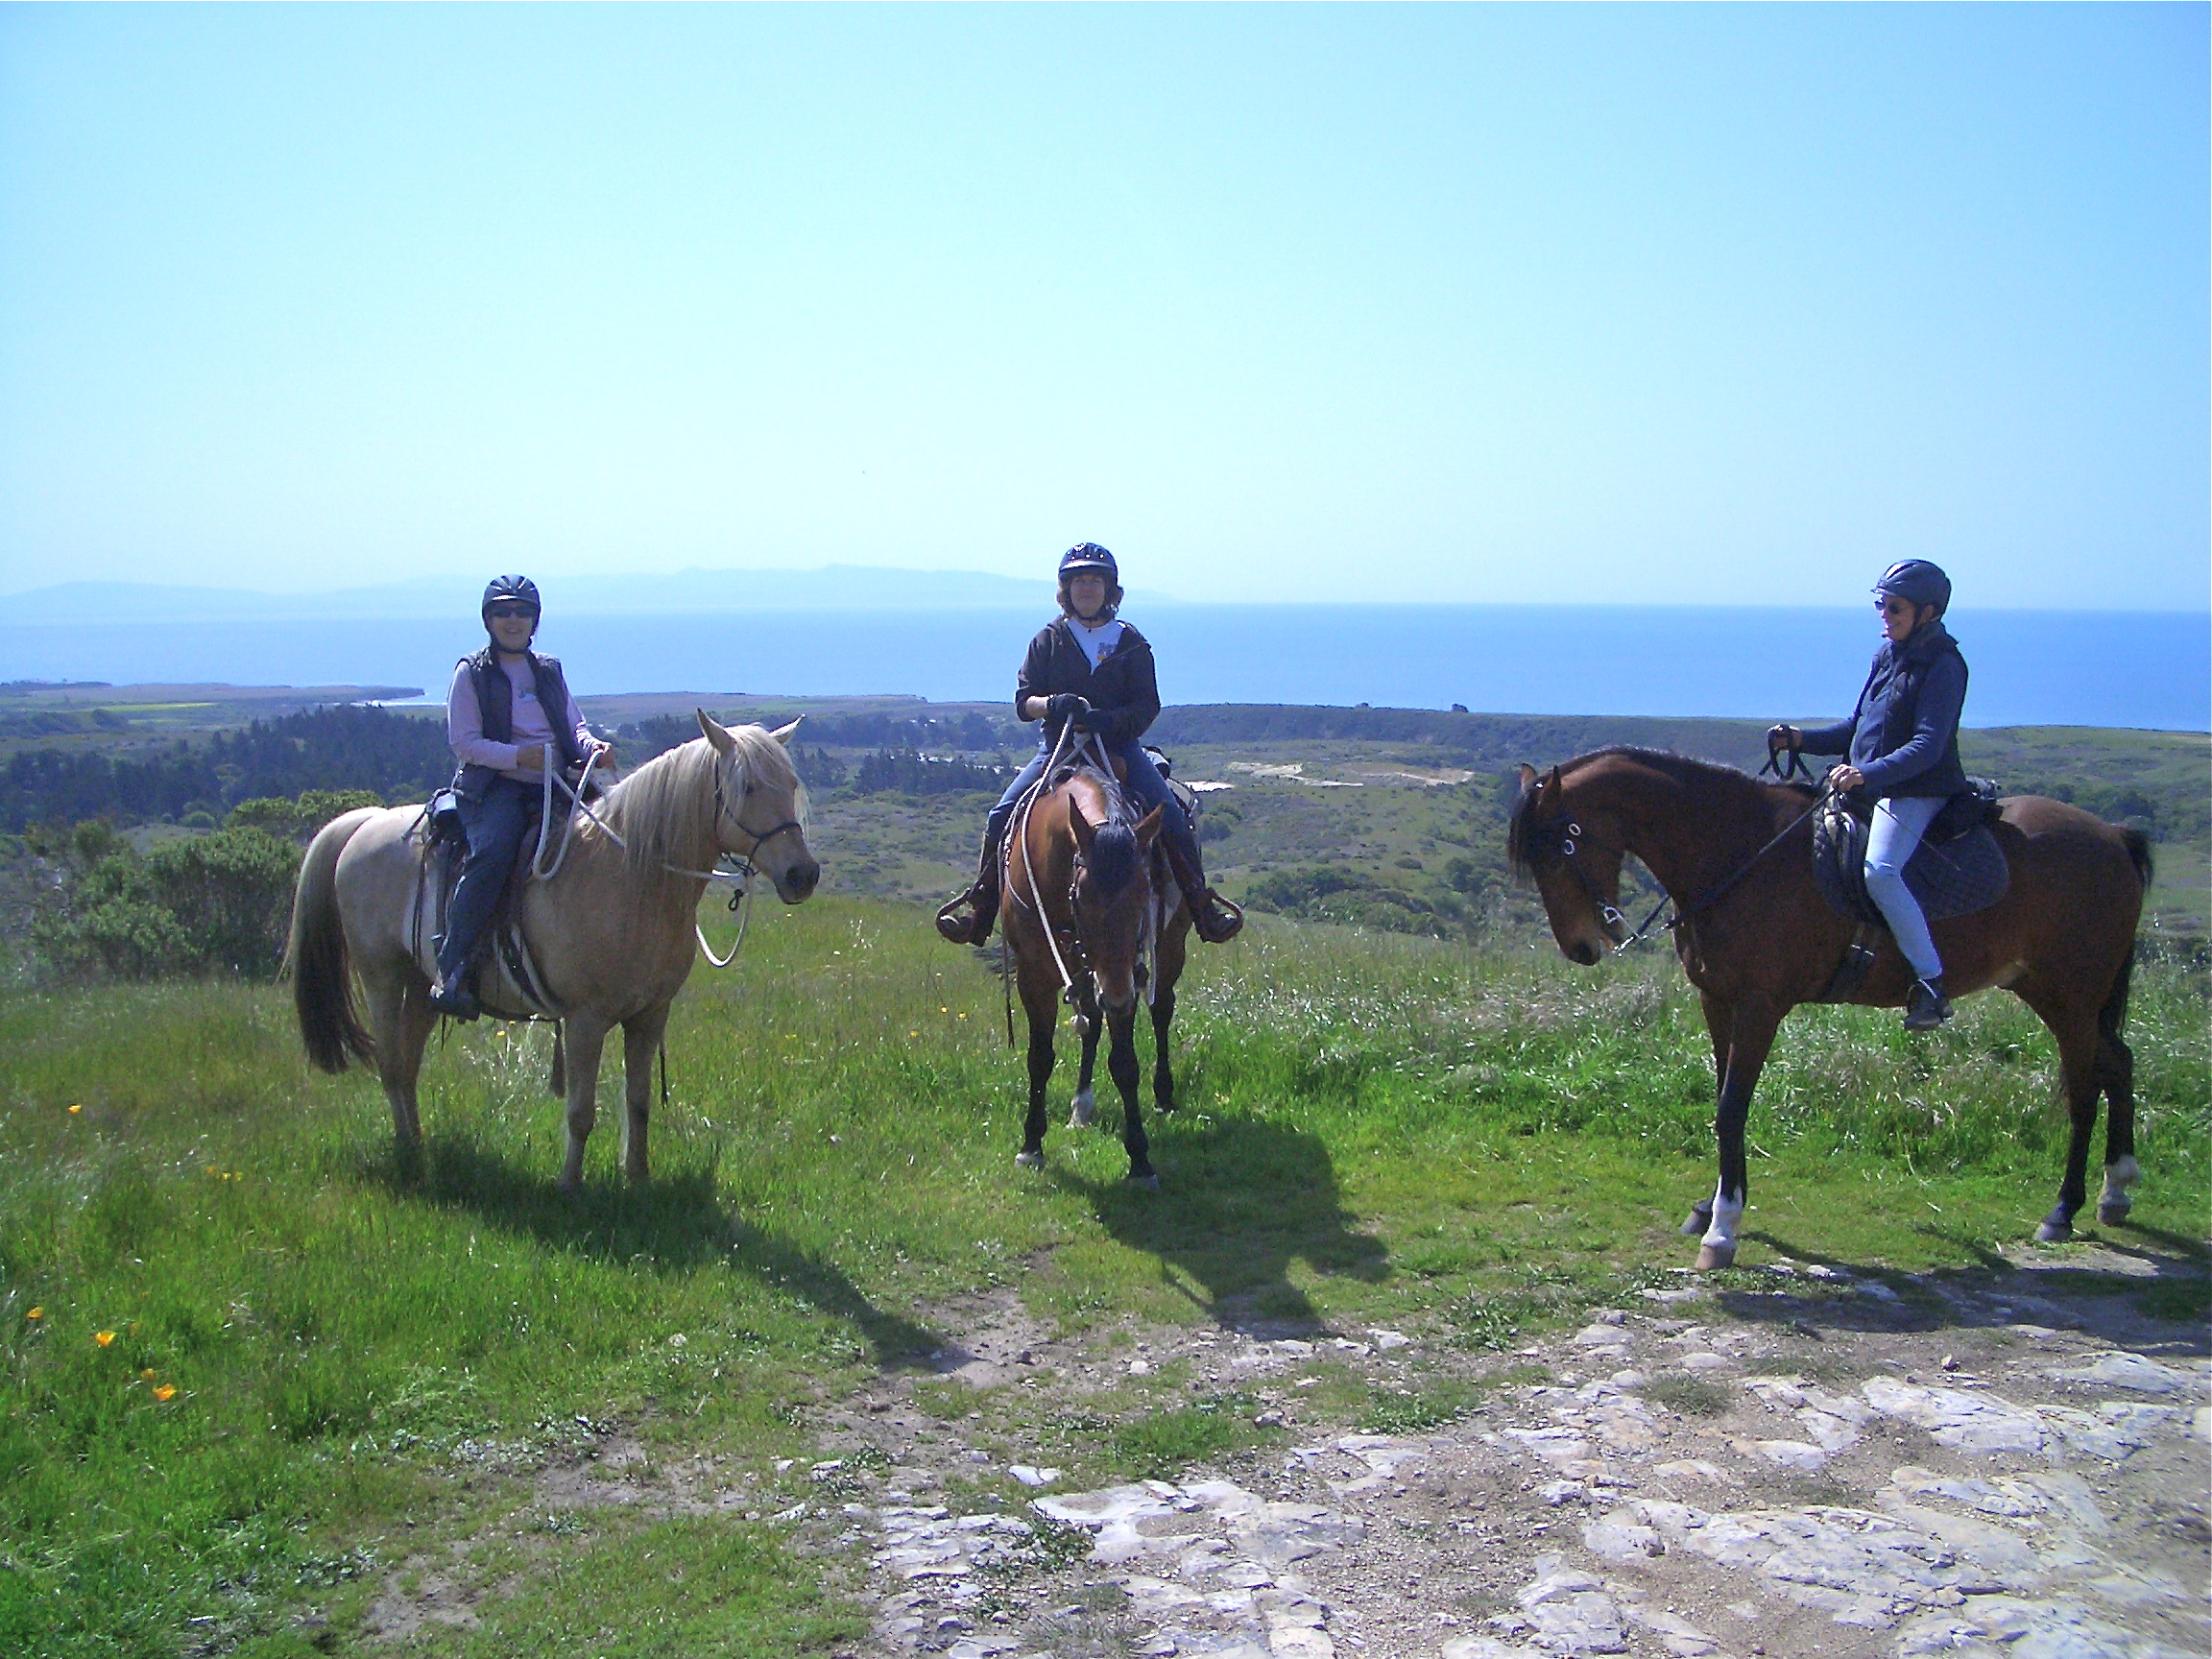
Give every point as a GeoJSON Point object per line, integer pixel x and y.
{"type": "Point", "coordinates": [1899, 823]}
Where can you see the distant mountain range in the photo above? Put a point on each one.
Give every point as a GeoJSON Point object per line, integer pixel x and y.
{"type": "Point", "coordinates": [832, 588]}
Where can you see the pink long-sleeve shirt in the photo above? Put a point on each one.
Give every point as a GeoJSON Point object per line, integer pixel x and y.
{"type": "Point", "coordinates": [531, 724]}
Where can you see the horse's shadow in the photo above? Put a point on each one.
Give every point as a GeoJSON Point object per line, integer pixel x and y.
{"type": "Point", "coordinates": [1242, 1200]}
{"type": "Point", "coordinates": [2152, 1308]}
{"type": "Point", "coordinates": [674, 1225]}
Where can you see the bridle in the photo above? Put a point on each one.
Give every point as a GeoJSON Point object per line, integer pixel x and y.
{"type": "Point", "coordinates": [1610, 917]}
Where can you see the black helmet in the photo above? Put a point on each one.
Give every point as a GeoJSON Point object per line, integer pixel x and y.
{"type": "Point", "coordinates": [1089, 555]}
{"type": "Point", "coordinates": [1920, 581]}
{"type": "Point", "coordinates": [509, 590]}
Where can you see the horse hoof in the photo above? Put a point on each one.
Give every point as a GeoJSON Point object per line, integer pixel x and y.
{"type": "Point", "coordinates": [2056, 1230]}
{"type": "Point", "coordinates": [2113, 1215]}
{"type": "Point", "coordinates": [1715, 1256]}
{"type": "Point", "coordinates": [1699, 1222]}
{"type": "Point", "coordinates": [1148, 1183]}
{"type": "Point", "coordinates": [1030, 1160]}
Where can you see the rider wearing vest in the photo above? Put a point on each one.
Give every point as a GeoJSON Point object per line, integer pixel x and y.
{"type": "Point", "coordinates": [508, 714]}
{"type": "Point", "coordinates": [1091, 668]}
{"type": "Point", "coordinates": [1901, 746]}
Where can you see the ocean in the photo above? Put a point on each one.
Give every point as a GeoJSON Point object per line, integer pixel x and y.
{"type": "Point", "coordinates": [2029, 667]}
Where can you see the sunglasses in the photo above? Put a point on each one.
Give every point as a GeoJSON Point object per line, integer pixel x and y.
{"type": "Point", "coordinates": [1888, 606]}
{"type": "Point", "coordinates": [508, 612]}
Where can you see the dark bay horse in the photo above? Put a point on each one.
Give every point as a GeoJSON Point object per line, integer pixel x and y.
{"type": "Point", "coordinates": [1756, 938]}
{"type": "Point", "coordinates": [1083, 907]}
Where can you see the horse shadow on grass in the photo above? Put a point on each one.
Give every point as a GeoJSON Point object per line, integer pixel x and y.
{"type": "Point", "coordinates": [2139, 1287]}
{"type": "Point", "coordinates": [673, 1225]}
{"type": "Point", "coordinates": [1240, 1200]}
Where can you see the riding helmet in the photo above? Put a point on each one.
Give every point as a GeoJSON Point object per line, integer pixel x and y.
{"type": "Point", "coordinates": [1920, 581]}
{"type": "Point", "coordinates": [1089, 555]}
{"type": "Point", "coordinates": [511, 590]}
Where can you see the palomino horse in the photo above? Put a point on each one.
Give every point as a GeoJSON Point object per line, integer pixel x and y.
{"type": "Point", "coordinates": [610, 934]}
{"type": "Point", "coordinates": [1082, 903]}
{"type": "Point", "coordinates": [1756, 938]}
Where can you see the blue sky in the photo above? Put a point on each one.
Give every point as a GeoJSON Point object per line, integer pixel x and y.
{"type": "Point", "coordinates": [1573, 303]}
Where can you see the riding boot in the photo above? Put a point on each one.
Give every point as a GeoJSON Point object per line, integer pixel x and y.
{"type": "Point", "coordinates": [1926, 1007]}
{"type": "Point", "coordinates": [981, 898]}
{"type": "Point", "coordinates": [1216, 920]}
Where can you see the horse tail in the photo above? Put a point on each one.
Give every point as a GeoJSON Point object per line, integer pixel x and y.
{"type": "Point", "coordinates": [316, 958]}
{"type": "Point", "coordinates": [2139, 855]}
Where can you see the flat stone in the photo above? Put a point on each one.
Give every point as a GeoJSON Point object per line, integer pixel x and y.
{"type": "Point", "coordinates": [1787, 1453]}
{"type": "Point", "coordinates": [2123, 1370]}
{"type": "Point", "coordinates": [1701, 1360]}
{"type": "Point", "coordinates": [1620, 1538]}
{"type": "Point", "coordinates": [1978, 1423]}
{"type": "Point", "coordinates": [1570, 1612]}
{"type": "Point", "coordinates": [1552, 1445]}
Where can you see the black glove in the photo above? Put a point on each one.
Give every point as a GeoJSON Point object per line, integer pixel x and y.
{"type": "Point", "coordinates": [1068, 706]}
{"type": "Point", "coordinates": [1783, 737]}
{"type": "Point", "coordinates": [1090, 719]}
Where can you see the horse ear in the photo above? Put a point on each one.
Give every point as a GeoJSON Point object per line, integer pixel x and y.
{"type": "Point", "coordinates": [1085, 831]}
{"type": "Point", "coordinates": [1148, 828]}
{"type": "Point", "coordinates": [1527, 778]}
{"type": "Point", "coordinates": [783, 733]}
{"type": "Point", "coordinates": [718, 736]}
{"type": "Point", "coordinates": [1550, 785]}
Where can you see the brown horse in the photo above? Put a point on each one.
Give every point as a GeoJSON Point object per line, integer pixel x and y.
{"type": "Point", "coordinates": [1756, 938]}
{"type": "Point", "coordinates": [1083, 903]}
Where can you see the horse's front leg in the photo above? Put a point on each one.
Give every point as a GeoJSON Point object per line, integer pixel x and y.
{"type": "Point", "coordinates": [1751, 1037]}
{"type": "Point", "coordinates": [1085, 1110]}
{"type": "Point", "coordinates": [641, 1039]}
{"type": "Point", "coordinates": [1122, 1066]}
{"type": "Point", "coordinates": [1718, 1017]}
{"type": "Point", "coordinates": [585, 1036]}
{"type": "Point", "coordinates": [1043, 1006]}
{"type": "Point", "coordinates": [1169, 965]}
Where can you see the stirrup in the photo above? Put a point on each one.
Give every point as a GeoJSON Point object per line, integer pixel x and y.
{"type": "Point", "coordinates": [1926, 1007]}
{"type": "Point", "coordinates": [971, 928]}
{"type": "Point", "coordinates": [1216, 919]}
{"type": "Point", "coordinates": [454, 999]}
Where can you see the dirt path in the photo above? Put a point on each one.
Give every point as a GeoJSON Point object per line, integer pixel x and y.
{"type": "Point", "coordinates": [2014, 1462]}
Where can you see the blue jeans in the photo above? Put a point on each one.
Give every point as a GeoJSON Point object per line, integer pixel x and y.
{"type": "Point", "coordinates": [497, 822]}
{"type": "Point", "coordinates": [1899, 823]}
{"type": "Point", "coordinates": [1145, 782]}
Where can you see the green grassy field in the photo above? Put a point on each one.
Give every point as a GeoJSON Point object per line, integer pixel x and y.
{"type": "Point", "coordinates": [248, 1367]}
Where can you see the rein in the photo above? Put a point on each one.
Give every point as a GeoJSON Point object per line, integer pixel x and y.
{"type": "Point", "coordinates": [1090, 747]}
{"type": "Point", "coordinates": [740, 872]}
{"type": "Point", "coordinates": [1611, 919]}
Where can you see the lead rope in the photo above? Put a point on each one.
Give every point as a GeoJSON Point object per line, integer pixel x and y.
{"type": "Point", "coordinates": [1696, 906]}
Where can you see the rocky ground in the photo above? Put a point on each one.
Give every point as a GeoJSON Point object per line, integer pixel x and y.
{"type": "Point", "coordinates": [1799, 1461]}
{"type": "Point", "coordinates": [1981, 1467]}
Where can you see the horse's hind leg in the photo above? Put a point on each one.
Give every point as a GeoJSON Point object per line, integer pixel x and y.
{"type": "Point", "coordinates": [1751, 1037]}
{"type": "Point", "coordinates": [1043, 1006]}
{"type": "Point", "coordinates": [1084, 1111]}
{"type": "Point", "coordinates": [641, 1039]}
{"type": "Point", "coordinates": [400, 1013]}
{"type": "Point", "coordinates": [2116, 1076]}
{"type": "Point", "coordinates": [1170, 969]}
{"type": "Point", "coordinates": [586, 1037]}
{"type": "Point", "coordinates": [1122, 1066]}
{"type": "Point", "coordinates": [2081, 1077]}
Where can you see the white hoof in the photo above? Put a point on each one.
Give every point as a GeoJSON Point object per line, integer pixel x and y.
{"type": "Point", "coordinates": [1147, 1183]}
{"type": "Point", "coordinates": [1715, 1256]}
{"type": "Point", "coordinates": [1695, 1224]}
{"type": "Point", "coordinates": [1085, 1112]}
{"type": "Point", "coordinates": [1030, 1160]}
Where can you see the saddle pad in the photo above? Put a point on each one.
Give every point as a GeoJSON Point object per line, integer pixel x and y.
{"type": "Point", "coordinates": [1964, 874]}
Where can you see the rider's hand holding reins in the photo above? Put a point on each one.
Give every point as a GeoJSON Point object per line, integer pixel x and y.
{"type": "Point", "coordinates": [1781, 738]}
{"type": "Point", "coordinates": [530, 757]}
{"type": "Point", "coordinates": [1067, 705]}
{"type": "Point", "coordinates": [1845, 779]}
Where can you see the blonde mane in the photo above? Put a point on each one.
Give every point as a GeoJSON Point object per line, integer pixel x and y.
{"type": "Point", "coordinates": [665, 809]}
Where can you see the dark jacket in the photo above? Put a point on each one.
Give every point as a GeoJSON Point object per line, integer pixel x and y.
{"type": "Point", "coordinates": [1123, 685]}
{"type": "Point", "coordinates": [1904, 734]}
{"type": "Point", "coordinates": [495, 702]}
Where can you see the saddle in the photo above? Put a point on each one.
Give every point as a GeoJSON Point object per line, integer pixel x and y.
{"type": "Point", "coordinates": [1957, 870]}
{"type": "Point", "coordinates": [508, 982]}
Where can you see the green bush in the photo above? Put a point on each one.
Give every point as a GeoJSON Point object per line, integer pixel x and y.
{"type": "Point", "coordinates": [298, 820]}
{"type": "Point", "coordinates": [1325, 893]}
{"type": "Point", "coordinates": [216, 902]}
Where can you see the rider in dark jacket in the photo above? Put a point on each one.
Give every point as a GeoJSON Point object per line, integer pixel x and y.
{"type": "Point", "coordinates": [1901, 745]}
{"type": "Point", "coordinates": [508, 716]}
{"type": "Point", "coordinates": [1090, 667]}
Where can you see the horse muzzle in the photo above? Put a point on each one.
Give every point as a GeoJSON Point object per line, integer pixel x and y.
{"type": "Point", "coordinates": [796, 885]}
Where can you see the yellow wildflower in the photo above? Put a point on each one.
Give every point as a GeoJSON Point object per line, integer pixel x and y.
{"type": "Point", "coordinates": [147, 1374]}
{"type": "Point", "coordinates": [166, 1393]}
{"type": "Point", "coordinates": [75, 1109]}
{"type": "Point", "coordinates": [38, 1312]}
{"type": "Point", "coordinates": [104, 1338]}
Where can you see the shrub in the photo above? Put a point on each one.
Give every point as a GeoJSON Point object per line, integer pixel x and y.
{"type": "Point", "coordinates": [212, 901]}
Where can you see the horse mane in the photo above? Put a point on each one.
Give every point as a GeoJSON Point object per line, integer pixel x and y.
{"type": "Point", "coordinates": [1113, 856]}
{"type": "Point", "coordinates": [1687, 770]}
{"type": "Point", "coordinates": [665, 809]}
